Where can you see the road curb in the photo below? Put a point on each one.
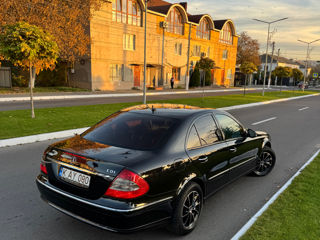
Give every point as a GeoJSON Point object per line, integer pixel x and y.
{"type": "Point", "coordinates": [40, 137]}
{"type": "Point", "coordinates": [111, 95]}
{"type": "Point", "coordinates": [68, 133]}
{"type": "Point", "coordinates": [266, 102]}
{"type": "Point", "coordinates": [252, 220]}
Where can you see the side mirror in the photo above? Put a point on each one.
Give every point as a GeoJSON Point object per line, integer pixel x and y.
{"type": "Point", "coordinates": [252, 133]}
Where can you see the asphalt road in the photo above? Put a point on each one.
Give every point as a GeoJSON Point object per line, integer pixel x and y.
{"type": "Point", "coordinates": [17, 105]}
{"type": "Point", "coordinates": [295, 137]}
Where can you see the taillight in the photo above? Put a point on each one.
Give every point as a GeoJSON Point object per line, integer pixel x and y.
{"type": "Point", "coordinates": [127, 185]}
{"type": "Point", "coordinates": [43, 168]}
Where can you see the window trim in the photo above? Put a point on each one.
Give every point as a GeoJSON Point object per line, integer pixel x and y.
{"type": "Point", "coordinates": [127, 13]}
{"type": "Point", "coordinates": [202, 32]}
{"type": "Point", "coordinates": [207, 145]}
{"type": "Point", "coordinates": [230, 116]}
{"type": "Point", "coordinates": [175, 24]}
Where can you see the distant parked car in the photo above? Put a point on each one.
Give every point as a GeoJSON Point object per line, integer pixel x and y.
{"type": "Point", "coordinates": [150, 165]}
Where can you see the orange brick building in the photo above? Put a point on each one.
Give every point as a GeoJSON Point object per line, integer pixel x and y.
{"type": "Point", "coordinates": [116, 54]}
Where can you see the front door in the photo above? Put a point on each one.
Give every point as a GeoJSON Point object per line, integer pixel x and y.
{"type": "Point", "coordinates": [243, 151]}
{"type": "Point", "coordinates": [222, 77]}
{"type": "Point", "coordinates": [136, 76]}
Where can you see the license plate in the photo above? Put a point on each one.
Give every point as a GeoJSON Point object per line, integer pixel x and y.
{"type": "Point", "coordinates": [74, 177]}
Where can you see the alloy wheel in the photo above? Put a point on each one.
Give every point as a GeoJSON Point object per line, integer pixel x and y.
{"type": "Point", "coordinates": [191, 209]}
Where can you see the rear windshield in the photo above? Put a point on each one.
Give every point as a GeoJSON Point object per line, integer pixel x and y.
{"type": "Point", "coordinates": [132, 130]}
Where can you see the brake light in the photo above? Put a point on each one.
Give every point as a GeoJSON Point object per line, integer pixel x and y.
{"type": "Point", "coordinates": [43, 168]}
{"type": "Point", "coordinates": [127, 185]}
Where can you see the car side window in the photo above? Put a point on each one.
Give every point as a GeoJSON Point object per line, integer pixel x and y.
{"type": "Point", "coordinates": [206, 128]}
{"type": "Point", "coordinates": [193, 139]}
{"type": "Point", "coordinates": [229, 126]}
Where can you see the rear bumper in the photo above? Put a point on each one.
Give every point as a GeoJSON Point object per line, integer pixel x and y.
{"type": "Point", "coordinates": [102, 214]}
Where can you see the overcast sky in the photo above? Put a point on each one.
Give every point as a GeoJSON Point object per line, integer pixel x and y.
{"type": "Point", "coordinates": [303, 22]}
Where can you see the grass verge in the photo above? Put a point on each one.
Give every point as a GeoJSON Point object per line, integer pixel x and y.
{"type": "Point", "coordinates": [18, 123]}
{"type": "Point", "coordinates": [295, 214]}
{"type": "Point", "coordinates": [40, 89]}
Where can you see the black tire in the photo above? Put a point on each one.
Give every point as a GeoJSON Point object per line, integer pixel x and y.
{"type": "Point", "coordinates": [187, 210]}
{"type": "Point", "coordinates": [265, 163]}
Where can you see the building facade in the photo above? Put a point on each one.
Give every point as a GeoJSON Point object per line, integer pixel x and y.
{"type": "Point", "coordinates": [116, 54]}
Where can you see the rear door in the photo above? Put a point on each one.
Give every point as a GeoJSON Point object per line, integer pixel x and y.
{"type": "Point", "coordinates": [243, 151]}
{"type": "Point", "coordinates": [209, 153]}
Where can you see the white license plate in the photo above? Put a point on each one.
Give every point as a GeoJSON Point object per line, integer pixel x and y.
{"type": "Point", "coordinates": [74, 177]}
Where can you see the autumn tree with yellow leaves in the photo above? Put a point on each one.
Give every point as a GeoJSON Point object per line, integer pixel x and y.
{"type": "Point", "coordinates": [29, 47]}
{"type": "Point", "coordinates": [66, 20]}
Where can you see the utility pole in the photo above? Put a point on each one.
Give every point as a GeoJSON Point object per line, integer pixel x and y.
{"type": "Point", "coordinates": [265, 66]}
{"type": "Point", "coordinates": [277, 65]}
{"type": "Point", "coordinates": [164, 26]}
{"type": "Point", "coordinates": [306, 63]}
{"type": "Point", "coordinates": [145, 55]}
{"type": "Point", "coordinates": [271, 65]}
{"type": "Point", "coordinates": [188, 59]}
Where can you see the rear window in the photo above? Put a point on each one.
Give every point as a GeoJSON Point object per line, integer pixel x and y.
{"type": "Point", "coordinates": [132, 130]}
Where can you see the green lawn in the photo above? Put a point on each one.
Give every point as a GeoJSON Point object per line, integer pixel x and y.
{"type": "Point", "coordinates": [40, 89]}
{"type": "Point", "coordinates": [295, 215]}
{"type": "Point", "coordinates": [18, 123]}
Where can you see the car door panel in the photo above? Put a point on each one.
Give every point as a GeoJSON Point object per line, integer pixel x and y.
{"type": "Point", "coordinates": [243, 160]}
{"type": "Point", "coordinates": [215, 168]}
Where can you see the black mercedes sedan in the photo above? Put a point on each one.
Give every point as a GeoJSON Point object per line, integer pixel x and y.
{"type": "Point", "coordinates": [150, 165]}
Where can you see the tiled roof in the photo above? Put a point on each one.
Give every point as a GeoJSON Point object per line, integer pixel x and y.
{"type": "Point", "coordinates": [195, 18]}
{"type": "Point", "coordinates": [157, 3]}
{"type": "Point", "coordinates": [218, 24]}
{"type": "Point", "coordinates": [281, 59]}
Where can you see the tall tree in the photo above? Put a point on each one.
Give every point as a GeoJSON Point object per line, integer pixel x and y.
{"type": "Point", "coordinates": [66, 20]}
{"type": "Point", "coordinates": [30, 47]}
{"type": "Point", "coordinates": [248, 50]}
{"type": "Point", "coordinates": [297, 75]}
{"type": "Point", "coordinates": [247, 68]}
{"type": "Point", "coordinates": [282, 72]}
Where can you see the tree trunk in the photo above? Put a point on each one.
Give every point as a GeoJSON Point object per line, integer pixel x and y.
{"type": "Point", "coordinates": [280, 85]}
{"type": "Point", "coordinates": [244, 87]}
{"type": "Point", "coordinates": [31, 90]}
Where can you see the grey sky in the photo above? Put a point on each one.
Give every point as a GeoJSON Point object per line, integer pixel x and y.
{"type": "Point", "coordinates": [303, 22]}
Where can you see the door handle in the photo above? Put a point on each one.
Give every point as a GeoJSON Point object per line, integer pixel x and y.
{"type": "Point", "coordinates": [203, 159]}
{"type": "Point", "coordinates": [233, 149]}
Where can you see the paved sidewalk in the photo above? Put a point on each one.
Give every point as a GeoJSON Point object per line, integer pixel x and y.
{"type": "Point", "coordinates": [132, 93]}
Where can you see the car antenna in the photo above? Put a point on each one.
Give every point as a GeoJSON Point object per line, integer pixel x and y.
{"type": "Point", "coordinates": [153, 109]}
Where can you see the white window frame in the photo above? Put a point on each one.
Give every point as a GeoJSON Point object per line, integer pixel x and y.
{"type": "Point", "coordinates": [129, 42]}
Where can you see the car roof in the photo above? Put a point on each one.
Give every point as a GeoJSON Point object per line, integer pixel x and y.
{"type": "Point", "coordinates": [177, 111]}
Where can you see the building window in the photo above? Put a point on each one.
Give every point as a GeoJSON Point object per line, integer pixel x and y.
{"type": "Point", "coordinates": [226, 34]}
{"type": "Point", "coordinates": [197, 50]}
{"type": "Point", "coordinates": [175, 22]}
{"type": "Point", "coordinates": [203, 30]}
{"type": "Point", "coordinates": [126, 11]}
{"type": "Point", "coordinates": [208, 52]}
{"type": "Point", "coordinates": [176, 73]}
{"type": "Point", "coordinates": [178, 49]}
{"type": "Point", "coordinates": [116, 72]}
{"type": "Point", "coordinates": [225, 55]}
{"type": "Point", "coordinates": [129, 42]}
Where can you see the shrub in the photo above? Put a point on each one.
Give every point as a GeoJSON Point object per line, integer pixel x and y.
{"type": "Point", "coordinates": [195, 78]}
{"type": "Point", "coordinates": [207, 81]}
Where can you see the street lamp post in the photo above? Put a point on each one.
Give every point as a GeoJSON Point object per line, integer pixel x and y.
{"type": "Point", "coordinates": [268, 39]}
{"type": "Point", "coordinates": [306, 63]}
{"type": "Point", "coordinates": [145, 55]}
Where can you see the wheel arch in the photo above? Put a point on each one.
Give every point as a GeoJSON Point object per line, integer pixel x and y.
{"type": "Point", "coordinates": [193, 177]}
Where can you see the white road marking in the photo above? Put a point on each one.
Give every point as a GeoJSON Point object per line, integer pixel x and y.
{"type": "Point", "coordinates": [263, 121]}
{"type": "Point", "coordinates": [305, 108]}
{"type": "Point", "coordinates": [252, 220]}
